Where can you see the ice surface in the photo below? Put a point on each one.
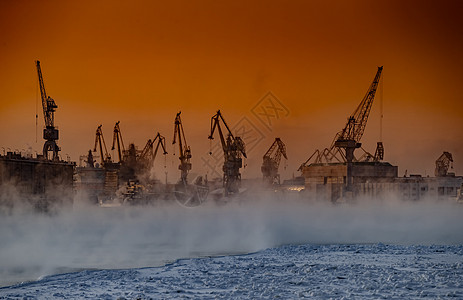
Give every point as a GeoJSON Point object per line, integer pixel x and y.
{"type": "Point", "coordinates": [365, 249]}
{"type": "Point", "coordinates": [294, 271]}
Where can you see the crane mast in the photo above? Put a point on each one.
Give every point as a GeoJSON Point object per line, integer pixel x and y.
{"type": "Point", "coordinates": [99, 140]}
{"type": "Point", "coordinates": [379, 153]}
{"type": "Point", "coordinates": [233, 147]}
{"type": "Point", "coordinates": [50, 133]}
{"type": "Point", "coordinates": [271, 162]}
{"type": "Point", "coordinates": [117, 138]}
{"type": "Point", "coordinates": [184, 149]}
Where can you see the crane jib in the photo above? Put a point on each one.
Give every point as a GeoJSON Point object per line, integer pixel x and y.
{"type": "Point", "coordinates": [356, 125]}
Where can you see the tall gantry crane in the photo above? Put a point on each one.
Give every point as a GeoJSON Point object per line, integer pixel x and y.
{"type": "Point", "coordinates": [99, 140]}
{"type": "Point", "coordinates": [50, 133]}
{"type": "Point", "coordinates": [117, 138]}
{"type": "Point", "coordinates": [233, 147]}
{"type": "Point", "coordinates": [349, 138]}
{"type": "Point", "coordinates": [442, 164]}
{"type": "Point", "coordinates": [271, 162]}
{"type": "Point", "coordinates": [148, 155]}
{"type": "Point", "coordinates": [184, 149]}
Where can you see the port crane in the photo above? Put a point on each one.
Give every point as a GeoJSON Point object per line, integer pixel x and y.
{"type": "Point", "coordinates": [356, 123]}
{"type": "Point", "coordinates": [148, 155]}
{"type": "Point", "coordinates": [442, 164]}
{"type": "Point", "coordinates": [117, 139]}
{"type": "Point", "coordinates": [99, 140]}
{"type": "Point", "coordinates": [184, 149]}
{"type": "Point", "coordinates": [349, 137]}
{"type": "Point", "coordinates": [271, 162]}
{"type": "Point", "coordinates": [233, 147]}
{"type": "Point", "coordinates": [50, 133]}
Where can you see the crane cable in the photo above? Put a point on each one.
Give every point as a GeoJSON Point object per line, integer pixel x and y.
{"type": "Point", "coordinates": [172, 157]}
{"type": "Point", "coordinates": [36, 109]}
{"type": "Point", "coordinates": [381, 89]}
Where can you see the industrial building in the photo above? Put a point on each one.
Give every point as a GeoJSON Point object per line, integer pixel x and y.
{"type": "Point", "coordinates": [376, 181]}
{"type": "Point", "coordinates": [37, 181]}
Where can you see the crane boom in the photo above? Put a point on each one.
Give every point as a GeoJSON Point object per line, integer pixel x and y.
{"type": "Point", "coordinates": [358, 120]}
{"type": "Point", "coordinates": [184, 149]}
{"type": "Point", "coordinates": [48, 104]}
{"type": "Point", "coordinates": [117, 138]}
{"type": "Point", "coordinates": [215, 124]}
{"type": "Point", "coordinates": [161, 142]}
{"type": "Point", "coordinates": [277, 144]}
{"type": "Point", "coordinates": [50, 133]}
{"type": "Point", "coordinates": [148, 154]}
{"type": "Point", "coordinates": [99, 140]}
{"type": "Point", "coordinates": [147, 149]}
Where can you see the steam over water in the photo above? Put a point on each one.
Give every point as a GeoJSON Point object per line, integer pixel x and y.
{"type": "Point", "coordinates": [87, 237]}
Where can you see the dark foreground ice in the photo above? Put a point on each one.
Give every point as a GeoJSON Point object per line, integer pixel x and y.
{"type": "Point", "coordinates": [371, 271]}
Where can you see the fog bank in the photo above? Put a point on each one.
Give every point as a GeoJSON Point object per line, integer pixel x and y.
{"type": "Point", "coordinates": [86, 237]}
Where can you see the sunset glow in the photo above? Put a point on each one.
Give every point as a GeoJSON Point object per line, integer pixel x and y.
{"type": "Point", "coordinates": [141, 62]}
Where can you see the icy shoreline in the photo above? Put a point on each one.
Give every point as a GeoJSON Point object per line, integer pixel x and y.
{"type": "Point", "coordinates": [313, 271]}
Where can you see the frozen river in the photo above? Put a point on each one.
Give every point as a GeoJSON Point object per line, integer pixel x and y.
{"type": "Point", "coordinates": [296, 271]}
{"type": "Point", "coordinates": [366, 249]}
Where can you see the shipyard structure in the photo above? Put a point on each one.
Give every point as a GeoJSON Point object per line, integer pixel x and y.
{"type": "Point", "coordinates": [336, 173]}
{"type": "Point", "coordinates": [376, 180]}
{"type": "Point", "coordinates": [44, 184]}
{"type": "Point", "coordinates": [45, 180]}
{"type": "Point", "coordinates": [344, 171]}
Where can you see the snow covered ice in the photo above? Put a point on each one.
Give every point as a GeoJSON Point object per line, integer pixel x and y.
{"type": "Point", "coordinates": [258, 249]}
{"type": "Point", "coordinates": [296, 271]}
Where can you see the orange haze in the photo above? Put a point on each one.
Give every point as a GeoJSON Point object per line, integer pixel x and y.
{"type": "Point", "coordinates": [140, 62]}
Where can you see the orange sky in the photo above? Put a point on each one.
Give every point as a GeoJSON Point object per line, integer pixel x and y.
{"type": "Point", "coordinates": [141, 62]}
